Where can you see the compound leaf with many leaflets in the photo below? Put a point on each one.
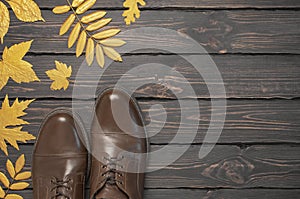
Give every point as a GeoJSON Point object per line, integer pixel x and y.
{"type": "Point", "coordinates": [86, 32]}
{"type": "Point", "coordinates": [16, 183]}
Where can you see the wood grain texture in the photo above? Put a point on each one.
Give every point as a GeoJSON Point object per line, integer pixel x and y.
{"type": "Point", "coordinates": [257, 155]}
{"type": "Point", "coordinates": [225, 167]}
{"type": "Point", "coordinates": [213, 4]}
{"type": "Point", "coordinates": [263, 76]}
{"type": "Point", "coordinates": [210, 194]}
{"type": "Point", "coordinates": [246, 31]}
{"type": "Point", "coordinates": [247, 121]}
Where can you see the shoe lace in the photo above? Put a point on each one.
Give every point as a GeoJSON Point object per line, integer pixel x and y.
{"type": "Point", "coordinates": [111, 172]}
{"type": "Point", "coordinates": [57, 184]}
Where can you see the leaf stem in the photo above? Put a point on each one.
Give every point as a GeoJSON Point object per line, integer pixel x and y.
{"type": "Point", "coordinates": [79, 21]}
{"type": "Point", "coordinates": [8, 189]}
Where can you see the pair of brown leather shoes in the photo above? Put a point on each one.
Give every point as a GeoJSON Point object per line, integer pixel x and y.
{"type": "Point", "coordinates": [118, 147]}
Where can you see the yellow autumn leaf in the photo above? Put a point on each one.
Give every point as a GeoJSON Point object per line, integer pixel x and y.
{"type": "Point", "coordinates": [81, 43]}
{"type": "Point", "coordinates": [13, 196]}
{"type": "Point", "coordinates": [98, 24]}
{"type": "Point", "coordinates": [2, 192]}
{"type": "Point", "coordinates": [19, 186]}
{"type": "Point", "coordinates": [13, 66]}
{"type": "Point", "coordinates": [74, 35]}
{"type": "Point", "coordinates": [112, 42]}
{"type": "Point", "coordinates": [4, 180]}
{"type": "Point", "coordinates": [61, 9]}
{"type": "Point", "coordinates": [85, 6]}
{"type": "Point", "coordinates": [106, 33]}
{"type": "Point", "coordinates": [93, 16]}
{"type": "Point", "coordinates": [77, 3]}
{"type": "Point", "coordinates": [133, 10]}
{"type": "Point", "coordinates": [26, 10]}
{"type": "Point", "coordinates": [112, 54]}
{"type": "Point", "coordinates": [67, 24]}
{"type": "Point", "coordinates": [23, 176]}
{"type": "Point", "coordinates": [20, 163]}
{"type": "Point", "coordinates": [10, 168]}
{"type": "Point", "coordinates": [4, 21]}
{"type": "Point", "coordinates": [100, 56]}
{"type": "Point", "coordinates": [60, 76]}
{"type": "Point", "coordinates": [11, 123]}
{"type": "Point", "coordinates": [89, 54]}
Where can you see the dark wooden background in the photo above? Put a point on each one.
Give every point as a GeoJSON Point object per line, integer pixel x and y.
{"type": "Point", "coordinates": [255, 44]}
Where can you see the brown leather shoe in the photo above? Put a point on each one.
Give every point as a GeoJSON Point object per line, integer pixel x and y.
{"type": "Point", "coordinates": [60, 159]}
{"type": "Point", "coordinates": [119, 148]}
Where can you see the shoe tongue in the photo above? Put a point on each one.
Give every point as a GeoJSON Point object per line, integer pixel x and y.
{"type": "Point", "coordinates": [111, 192]}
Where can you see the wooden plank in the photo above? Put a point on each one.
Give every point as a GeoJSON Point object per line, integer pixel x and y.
{"type": "Point", "coordinates": [209, 194]}
{"type": "Point", "coordinates": [247, 121]}
{"type": "Point", "coordinates": [262, 76]}
{"type": "Point", "coordinates": [264, 166]}
{"type": "Point", "coordinates": [197, 4]}
{"type": "Point", "coordinates": [246, 31]}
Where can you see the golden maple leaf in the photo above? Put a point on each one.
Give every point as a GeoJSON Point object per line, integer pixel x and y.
{"type": "Point", "coordinates": [133, 11]}
{"type": "Point", "coordinates": [12, 65]}
{"type": "Point", "coordinates": [11, 124]}
{"type": "Point", "coordinates": [25, 10]}
{"type": "Point", "coordinates": [60, 76]}
{"type": "Point", "coordinates": [16, 173]}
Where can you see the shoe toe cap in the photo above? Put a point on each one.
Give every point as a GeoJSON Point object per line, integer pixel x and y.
{"type": "Point", "coordinates": [60, 134]}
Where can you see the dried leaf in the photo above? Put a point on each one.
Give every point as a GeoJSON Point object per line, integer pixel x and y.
{"type": "Point", "coordinates": [13, 196]}
{"type": "Point", "coordinates": [20, 163]}
{"type": "Point", "coordinates": [111, 53]}
{"type": "Point", "coordinates": [81, 43]}
{"type": "Point", "coordinates": [77, 3]}
{"type": "Point", "coordinates": [74, 35]}
{"type": "Point", "coordinates": [23, 176]}
{"type": "Point", "coordinates": [85, 6]}
{"type": "Point", "coordinates": [99, 24]}
{"type": "Point", "coordinates": [4, 21]}
{"type": "Point", "coordinates": [106, 33]}
{"type": "Point", "coordinates": [10, 168]}
{"type": "Point", "coordinates": [67, 24]}
{"type": "Point", "coordinates": [113, 42]}
{"type": "Point", "coordinates": [133, 10]}
{"type": "Point", "coordinates": [10, 124]}
{"type": "Point", "coordinates": [93, 16]}
{"type": "Point", "coordinates": [12, 65]}
{"type": "Point", "coordinates": [19, 186]}
{"type": "Point", "coordinates": [4, 180]}
{"type": "Point", "coordinates": [61, 9]}
{"type": "Point", "coordinates": [89, 54]}
{"type": "Point", "coordinates": [2, 192]}
{"type": "Point", "coordinates": [99, 56]}
{"type": "Point", "coordinates": [26, 10]}
{"type": "Point", "coordinates": [60, 76]}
